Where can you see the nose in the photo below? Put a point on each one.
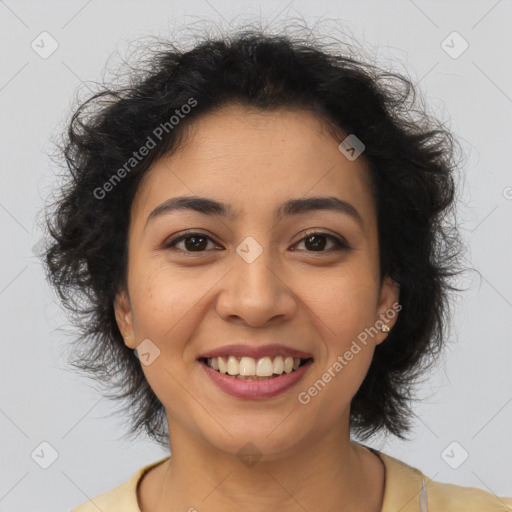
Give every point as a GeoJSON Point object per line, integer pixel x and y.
{"type": "Point", "coordinates": [257, 292]}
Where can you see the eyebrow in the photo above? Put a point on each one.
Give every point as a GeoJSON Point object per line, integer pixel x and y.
{"type": "Point", "coordinates": [212, 207]}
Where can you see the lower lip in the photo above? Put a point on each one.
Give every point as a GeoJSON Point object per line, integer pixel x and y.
{"type": "Point", "coordinates": [256, 389]}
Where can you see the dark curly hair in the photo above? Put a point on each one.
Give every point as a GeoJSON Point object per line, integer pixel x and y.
{"type": "Point", "coordinates": [410, 155]}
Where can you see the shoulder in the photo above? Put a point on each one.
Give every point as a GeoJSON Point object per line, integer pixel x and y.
{"type": "Point", "coordinates": [444, 496]}
{"type": "Point", "coordinates": [122, 498]}
{"type": "Point", "coordinates": [407, 489]}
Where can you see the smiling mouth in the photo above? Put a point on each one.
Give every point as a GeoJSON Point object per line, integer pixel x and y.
{"type": "Point", "coordinates": [249, 368]}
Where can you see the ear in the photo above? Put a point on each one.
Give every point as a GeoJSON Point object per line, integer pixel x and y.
{"type": "Point", "coordinates": [124, 318]}
{"type": "Point", "coordinates": [388, 307]}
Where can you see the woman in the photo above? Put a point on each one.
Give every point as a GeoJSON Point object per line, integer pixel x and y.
{"type": "Point", "coordinates": [256, 231]}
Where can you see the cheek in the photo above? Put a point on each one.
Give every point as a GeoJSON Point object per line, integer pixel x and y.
{"type": "Point", "coordinates": [345, 303]}
{"type": "Point", "coordinates": [164, 314]}
{"type": "Point", "coordinates": [161, 302]}
{"type": "Point", "coordinates": [345, 312]}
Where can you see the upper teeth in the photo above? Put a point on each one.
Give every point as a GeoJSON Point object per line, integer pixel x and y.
{"type": "Point", "coordinates": [263, 367]}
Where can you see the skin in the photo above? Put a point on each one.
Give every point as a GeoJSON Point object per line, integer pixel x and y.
{"type": "Point", "coordinates": [317, 301]}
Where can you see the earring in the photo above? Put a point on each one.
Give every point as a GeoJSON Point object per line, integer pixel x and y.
{"type": "Point", "coordinates": [385, 328]}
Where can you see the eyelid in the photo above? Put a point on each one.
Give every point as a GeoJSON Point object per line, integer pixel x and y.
{"type": "Point", "coordinates": [322, 232]}
{"type": "Point", "coordinates": [185, 234]}
{"type": "Point", "coordinates": [339, 241]}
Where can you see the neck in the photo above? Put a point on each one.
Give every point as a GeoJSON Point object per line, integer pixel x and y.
{"type": "Point", "coordinates": [331, 473]}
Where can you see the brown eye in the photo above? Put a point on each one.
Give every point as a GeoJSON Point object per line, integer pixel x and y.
{"type": "Point", "coordinates": [193, 242]}
{"type": "Point", "coordinates": [316, 242]}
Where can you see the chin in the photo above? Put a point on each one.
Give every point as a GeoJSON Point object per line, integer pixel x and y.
{"type": "Point", "coordinates": [259, 439]}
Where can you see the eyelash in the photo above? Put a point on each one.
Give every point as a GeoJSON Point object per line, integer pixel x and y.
{"type": "Point", "coordinates": [339, 243]}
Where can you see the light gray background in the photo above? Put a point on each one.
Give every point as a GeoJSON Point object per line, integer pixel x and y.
{"type": "Point", "coordinates": [469, 397]}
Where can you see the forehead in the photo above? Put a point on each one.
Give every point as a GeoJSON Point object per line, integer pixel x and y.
{"type": "Point", "coordinates": [257, 158]}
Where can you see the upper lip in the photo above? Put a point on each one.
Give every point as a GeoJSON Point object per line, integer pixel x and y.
{"type": "Point", "coordinates": [256, 352]}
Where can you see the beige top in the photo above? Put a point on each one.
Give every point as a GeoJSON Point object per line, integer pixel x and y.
{"type": "Point", "coordinates": [406, 489]}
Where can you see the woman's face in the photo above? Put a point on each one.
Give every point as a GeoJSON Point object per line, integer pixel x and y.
{"type": "Point", "coordinates": [256, 276]}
